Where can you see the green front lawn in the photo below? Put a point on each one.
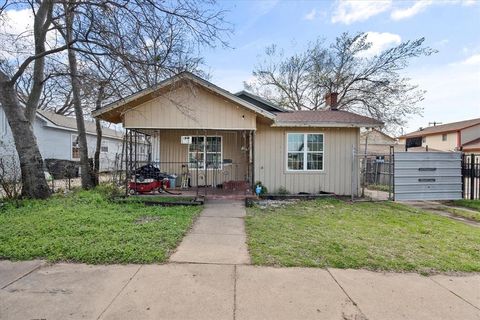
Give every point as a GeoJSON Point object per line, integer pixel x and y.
{"type": "Point", "coordinates": [88, 227]}
{"type": "Point", "coordinates": [377, 236]}
{"type": "Point", "coordinates": [471, 204]}
{"type": "Point", "coordinates": [468, 214]}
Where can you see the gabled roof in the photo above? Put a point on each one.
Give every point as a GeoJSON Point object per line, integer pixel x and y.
{"type": "Point", "coordinates": [259, 101]}
{"type": "Point", "coordinates": [324, 118]}
{"type": "Point", "coordinates": [280, 117]}
{"type": "Point", "coordinates": [443, 128]}
{"type": "Point", "coordinates": [122, 105]}
{"type": "Point", "coordinates": [368, 133]}
{"type": "Point", "coordinates": [71, 123]}
{"type": "Point", "coordinates": [474, 144]}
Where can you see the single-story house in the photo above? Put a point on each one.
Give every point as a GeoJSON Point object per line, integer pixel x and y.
{"type": "Point", "coordinates": [375, 141]}
{"type": "Point", "coordinates": [226, 137]}
{"type": "Point", "coordinates": [57, 139]}
{"type": "Point", "coordinates": [455, 136]}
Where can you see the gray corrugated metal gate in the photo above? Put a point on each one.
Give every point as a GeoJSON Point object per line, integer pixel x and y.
{"type": "Point", "coordinates": [428, 175]}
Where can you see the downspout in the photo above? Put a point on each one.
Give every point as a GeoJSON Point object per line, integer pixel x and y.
{"type": "Point", "coordinates": [459, 140]}
{"type": "Point", "coordinates": [252, 138]}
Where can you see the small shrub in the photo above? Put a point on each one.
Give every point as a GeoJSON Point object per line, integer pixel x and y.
{"type": "Point", "coordinates": [109, 191]}
{"type": "Point", "coordinates": [282, 191]}
{"type": "Point", "coordinates": [264, 189]}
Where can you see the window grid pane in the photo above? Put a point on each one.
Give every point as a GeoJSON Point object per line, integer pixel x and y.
{"type": "Point", "coordinates": [314, 161]}
{"type": "Point", "coordinates": [295, 161]}
{"type": "Point", "coordinates": [205, 151]}
{"type": "Point", "coordinates": [315, 142]}
{"type": "Point", "coordinates": [296, 142]}
{"type": "Point", "coordinates": [300, 158]}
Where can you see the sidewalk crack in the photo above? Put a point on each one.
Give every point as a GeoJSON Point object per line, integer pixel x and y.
{"type": "Point", "coordinates": [234, 292]}
{"type": "Point", "coordinates": [346, 293]}
{"type": "Point", "coordinates": [119, 292]}
{"type": "Point", "coordinates": [24, 275]}
{"type": "Point", "coordinates": [439, 284]}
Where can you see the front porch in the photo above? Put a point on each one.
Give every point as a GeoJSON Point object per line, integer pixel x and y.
{"type": "Point", "coordinates": [201, 163]}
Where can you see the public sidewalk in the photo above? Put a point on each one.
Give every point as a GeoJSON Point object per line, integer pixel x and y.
{"type": "Point", "coordinates": [35, 290]}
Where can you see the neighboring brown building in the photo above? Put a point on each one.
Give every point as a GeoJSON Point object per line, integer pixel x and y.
{"type": "Point", "coordinates": [455, 136]}
{"type": "Point", "coordinates": [378, 142]}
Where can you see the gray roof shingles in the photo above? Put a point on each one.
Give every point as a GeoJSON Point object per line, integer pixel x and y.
{"type": "Point", "coordinates": [71, 123]}
{"type": "Point", "coordinates": [319, 117]}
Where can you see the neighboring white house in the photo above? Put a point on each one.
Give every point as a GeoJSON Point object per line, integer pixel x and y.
{"type": "Point", "coordinates": [57, 139]}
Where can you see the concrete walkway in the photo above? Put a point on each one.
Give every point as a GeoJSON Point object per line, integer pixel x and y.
{"type": "Point", "coordinates": [442, 210]}
{"type": "Point", "coordinates": [218, 236]}
{"type": "Point", "coordinates": [35, 290]}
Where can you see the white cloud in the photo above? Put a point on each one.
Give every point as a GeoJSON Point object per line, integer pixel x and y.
{"type": "Point", "coordinates": [453, 92]}
{"type": "Point", "coordinates": [311, 15]}
{"type": "Point", "coordinates": [380, 41]}
{"type": "Point", "coordinates": [349, 11]}
{"type": "Point", "coordinates": [16, 34]}
{"type": "Point", "coordinates": [472, 60]}
{"type": "Point", "coordinates": [18, 21]}
{"type": "Point", "coordinates": [416, 8]}
{"type": "Point", "coordinates": [468, 3]}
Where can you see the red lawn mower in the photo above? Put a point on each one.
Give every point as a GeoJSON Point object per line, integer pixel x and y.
{"type": "Point", "coordinates": [149, 178]}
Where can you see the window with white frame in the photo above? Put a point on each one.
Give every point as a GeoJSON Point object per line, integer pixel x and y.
{"type": "Point", "coordinates": [75, 147]}
{"type": "Point", "coordinates": [205, 151]}
{"type": "Point", "coordinates": [305, 152]}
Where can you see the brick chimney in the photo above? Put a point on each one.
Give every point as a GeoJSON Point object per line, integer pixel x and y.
{"type": "Point", "coordinates": [331, 100]}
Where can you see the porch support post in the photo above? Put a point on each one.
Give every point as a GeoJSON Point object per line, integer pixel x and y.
{"type": "Point", "coordinates": [252, 159]}
{"type": "Point", "coordinates": [126, 161]}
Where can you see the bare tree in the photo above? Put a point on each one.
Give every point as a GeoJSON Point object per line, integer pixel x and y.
{"type": "Point", "coordinates": [107, 28]}
{"type": "Point", "coordinates": [371, 86]}
{"type": "Point", "coordinates": [142, 42]}
{"type": "Point", "coordinates": [21, 116]}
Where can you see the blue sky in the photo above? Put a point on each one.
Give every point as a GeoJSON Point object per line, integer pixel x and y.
{"type": "Point", "coordinates": [451, 77]}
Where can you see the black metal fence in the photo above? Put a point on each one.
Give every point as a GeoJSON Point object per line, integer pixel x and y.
{"type": "Point", "coordinates": [471, 176]}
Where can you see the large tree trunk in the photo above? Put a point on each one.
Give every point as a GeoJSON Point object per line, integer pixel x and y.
{"type": "Point", "coordinates": [86, 176]}
{"type": "Point", "coordinates": [21, 118]}
{"type": "Point", "coordinates": [96, 159]}
{"type": "Point", "coordinates": [34, 184]}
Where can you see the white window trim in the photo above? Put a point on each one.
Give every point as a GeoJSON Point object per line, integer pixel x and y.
{"type": "Point", "coordinates": [305, 152]}
{"type": "Point", "coordinates": [71, 146]}
{"type": "Point", "coordinates": [205, 153]}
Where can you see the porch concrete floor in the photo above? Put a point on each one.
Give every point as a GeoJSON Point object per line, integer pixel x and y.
{"type": "Point", "coordinates": [218, 236]}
